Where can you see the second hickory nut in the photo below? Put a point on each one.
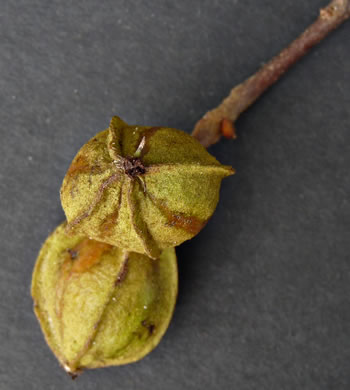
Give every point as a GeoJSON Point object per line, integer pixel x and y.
{"type": "Point", "coordinates": [100, 306]}
{"type": "Point", "coordinates": [142, 189]}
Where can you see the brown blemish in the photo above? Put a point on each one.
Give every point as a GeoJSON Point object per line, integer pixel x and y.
{"type": "Point", "coordinates": [79, 165]}
{"type": "Point", "coordinates": [149, 326]}
{"type": "Point", "coordinates": [188, 223]}
{"type": "Point", "coordinates": [89, 253]}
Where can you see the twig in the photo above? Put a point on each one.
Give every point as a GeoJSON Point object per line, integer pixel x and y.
{"type": "Point", "coordinates": [215, 123]}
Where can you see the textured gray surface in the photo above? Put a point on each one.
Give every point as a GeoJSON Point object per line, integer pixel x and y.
{"type": "Point", "coordinates": [264, 289]}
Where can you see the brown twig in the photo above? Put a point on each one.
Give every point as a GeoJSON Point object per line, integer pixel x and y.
{"type": "Point", "coordinates": [214, 123]}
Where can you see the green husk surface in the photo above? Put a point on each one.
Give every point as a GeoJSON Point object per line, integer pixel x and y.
{"type": "Point", "coordinates": [99, 305]}
{"type": "Point", "coordinates": [142, 189]}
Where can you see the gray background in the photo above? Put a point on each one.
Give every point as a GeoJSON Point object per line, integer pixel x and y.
{"type": "Point", "coordinates": [264, 289]}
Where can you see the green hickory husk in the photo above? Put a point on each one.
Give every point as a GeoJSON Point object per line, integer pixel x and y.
{"type": "Point", "coordinates": [98, 305]}
{"type": "Point", "coordinates": [142, 189]}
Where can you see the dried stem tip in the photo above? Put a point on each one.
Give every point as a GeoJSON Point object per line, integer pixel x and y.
{"type": "Point", "coordinates": [208, 130]}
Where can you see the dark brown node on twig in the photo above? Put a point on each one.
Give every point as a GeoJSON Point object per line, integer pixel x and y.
{"type": "Point", "coordinates": [228, 129]}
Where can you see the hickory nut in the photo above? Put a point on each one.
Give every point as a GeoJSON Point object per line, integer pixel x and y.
{"type": "Point", "coordinates": [98, 305]}
{"type": "Point", "coordinates": [142, 189]}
